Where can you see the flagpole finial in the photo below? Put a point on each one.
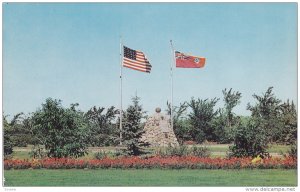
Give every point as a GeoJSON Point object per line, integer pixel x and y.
{"type": "Point", "coordinates": [171, 42]}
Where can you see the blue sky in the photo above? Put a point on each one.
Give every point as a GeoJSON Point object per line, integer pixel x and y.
{"type": "Point", "coordinates": [71, 52]}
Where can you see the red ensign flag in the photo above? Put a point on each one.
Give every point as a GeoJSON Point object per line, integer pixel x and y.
{"type": "Point", "coordinates": [187, 61]}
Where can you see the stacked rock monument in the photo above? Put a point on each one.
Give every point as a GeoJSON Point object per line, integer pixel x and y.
{"type": "Point", "coordinates": [158, 131]}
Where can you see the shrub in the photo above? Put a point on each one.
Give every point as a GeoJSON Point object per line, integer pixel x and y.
{"type": "Point", "coordinates": [293, 151]}
{"type": "Point", "coordinates": [101, 154]}
{"type": "Point", "coordinates": [250, 141]}
{"type": "Point", "coordinates": [179, 151]}
{"type": "Point", "coordinates": [182, 151]}
{"type": "Point", "coordinates": [109, 154]}
{"type": "Point", "coordinates": [200, 151]}
{"type": "Point", "coordinates": [106, 154]}
{"type": "Point", "coordinates": [38, 152]}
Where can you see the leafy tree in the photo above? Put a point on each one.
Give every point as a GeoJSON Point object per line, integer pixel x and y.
{"type": "Point", "coordinates": [270, 121]}
{"type": "Point", "coordinates": [226, 121]}
{"type": "Point", "coordinates": [201, 118]}
{"type": "Point", "coordinates": [223, 135]}
{"type": "Point", "coordinates": [182, 130]}
{"type": "Point", "coordinates": [7, 131]}
{"type": "Point", "coordinates": [103, 131]}
{"type": "Point", "coordinates": [181, 124]}
{"type": "Point", "coordinates": [133, 128]}
{"type": "Point", "coordinates": [288, 132]}
{"type": "Point", "coordinates": [267, 113]}
{"type": "Point", "coordinates": [63, 132]}
{"type": "Point", "coordinates": [21, 136]}
{"type": "Point", "coordinates": [12, 136]}
{"type": "Point", "coordinates": [249, 141]}
{"type": "Point", "coordinates": [231, 100]}
{"type": "Point", "coordinates": [27, 125]}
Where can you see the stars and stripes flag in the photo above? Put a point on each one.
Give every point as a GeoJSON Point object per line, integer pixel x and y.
{"type": "Point", "coordinates": [136, 60]}
{"type": "Point", "coordinates": [187, 61]}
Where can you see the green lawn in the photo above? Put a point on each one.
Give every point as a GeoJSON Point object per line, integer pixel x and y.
{"type": "Point", "coordinates": [156, 177]}
{"type": "Point", "coordinates": [274, 148]}
{"type": "Point", "coordinates": [21, 154]}
{"type": "Point", "coordinates": [278, 148]}
{"type": "Point", "coordinates": [217, 147]}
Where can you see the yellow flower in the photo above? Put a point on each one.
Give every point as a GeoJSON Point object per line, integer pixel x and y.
{"type": "Point", "coordinates": [256, 159]}
{"type": "Point", "coordinates": [35, 163]}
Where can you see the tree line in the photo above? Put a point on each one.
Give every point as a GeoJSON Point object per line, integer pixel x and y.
{"type": "Point", "coordinates": [61, 132]}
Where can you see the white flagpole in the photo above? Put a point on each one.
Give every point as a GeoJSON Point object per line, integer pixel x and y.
{"type": "Point", "coordinates": [121, 112]}
{"type": "Point", "coordinates": [171, 73]}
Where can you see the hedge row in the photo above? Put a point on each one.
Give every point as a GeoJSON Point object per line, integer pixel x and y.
{"type": "Point", "coordinates": [189, 162]}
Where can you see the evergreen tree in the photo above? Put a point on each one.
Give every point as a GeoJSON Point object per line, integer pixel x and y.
{"type": "Point", "coordinates": [133, 128]}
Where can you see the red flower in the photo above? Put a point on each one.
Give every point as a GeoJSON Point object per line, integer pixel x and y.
{"type": "Point", "coordinates": [152, 162]}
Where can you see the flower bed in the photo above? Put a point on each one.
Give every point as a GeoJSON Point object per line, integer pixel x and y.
{"type": "Point", "coordinates": [189, 162]}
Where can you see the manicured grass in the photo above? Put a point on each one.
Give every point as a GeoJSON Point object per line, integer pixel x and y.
{"type": "Point", "coordinates": [217, 148]}
{"type": "Point", "coordinates": [156, 177]}
{"type": "Point", "coordinates": [274, 148]}
{"type": "Point", "coordinates": [278, 148]}
{"type": "Point", "coordinates": [21, 154]}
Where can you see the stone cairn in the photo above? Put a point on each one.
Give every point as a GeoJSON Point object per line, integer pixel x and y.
{"type": "Point", "coordinates": [158, 131]}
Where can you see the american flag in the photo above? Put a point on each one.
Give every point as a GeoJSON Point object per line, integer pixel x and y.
{"type": "Point", "coordinates": [136, 60]}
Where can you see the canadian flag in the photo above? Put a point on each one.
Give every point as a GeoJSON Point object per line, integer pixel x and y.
{"type": "Point", "coordinates": [187, 61]}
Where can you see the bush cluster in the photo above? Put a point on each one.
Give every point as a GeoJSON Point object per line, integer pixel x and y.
{"type": "Point", "coordinates": [108, 154]}
{"type": "Point", "coordinates": [183, 150]}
